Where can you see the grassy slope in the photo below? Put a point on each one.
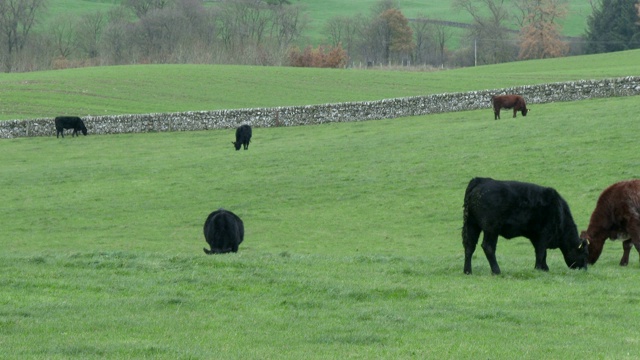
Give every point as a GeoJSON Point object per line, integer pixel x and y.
{"type": "Point", "coordinates": [352, 248]}
{"type": "Point", "coordinates": [171, 88]}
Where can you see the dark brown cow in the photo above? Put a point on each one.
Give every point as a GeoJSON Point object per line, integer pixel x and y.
{"type": "Point", "coordinates": [616, 217]}
{"type": "Point", "coordinates": [515, 102]}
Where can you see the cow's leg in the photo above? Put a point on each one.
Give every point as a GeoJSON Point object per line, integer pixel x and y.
{"type": "Point", "coordinates": [626, 250]}
{"type": "Point", "coordinates": [541, 257]}
{"type": "Point", "coordinates": [637, 245]}
{"type": "Point", "coordinates": [496, 113]}
{"type": "Point", "coordinates": [489, 243]}
{"type": "Point", "coordinates": [515, 111]}
{"type": "Point", "coordinates": [633, 228]}
{"type": "Point", "coordinates": [470, 235]}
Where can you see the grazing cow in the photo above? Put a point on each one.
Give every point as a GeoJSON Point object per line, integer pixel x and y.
{"type": "Point", "coordinates": [515, 102]}
{"type": "Point", "coordinates": [511, 209]}
{"type": "Point", "coordinates": [616, 217]}
{"type": "Point", "coordinates": [243, 137]}
{"type": "Point", "coordinates": [69, 122]}
{"type": "Point", "coordinates": [223, 231]}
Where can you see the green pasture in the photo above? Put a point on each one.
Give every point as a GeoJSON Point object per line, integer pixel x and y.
{"type": "Point", "coordinates": [173, 88]}
{"type": "Point", "coordinates": [352, 247]}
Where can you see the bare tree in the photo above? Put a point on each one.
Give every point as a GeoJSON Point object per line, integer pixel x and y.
{"type": "Point", "coordinates": [442, 35]}
{"type": "Point", "coordinates": [89, 31]}
{"type": "Point", "coordinates": [242, 23]}
{"type": "Point", "coordinates": [344, 31]}
{"type": "Point", "coordinates": [17, 18]}
{"type": "Point", "coordinates": [115, 44]}
{"type": "Point", "coordinates": [540, 32]}
{"type": "Point", "coordinates": [62, 33]}
{"type": "Point", "coordinates": [287, 24]}
{"type": "Point", "coordinates": [423, 35]}
{"type": "Point", "coordinates": [142, 7]}
{"type": "Point", "coordinates": [489, 32]}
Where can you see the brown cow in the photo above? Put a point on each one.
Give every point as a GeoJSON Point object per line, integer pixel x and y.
{"type": "Point", "coordinates": [515, 102]}
{"type": "Point", "coordinates": [616, 217]}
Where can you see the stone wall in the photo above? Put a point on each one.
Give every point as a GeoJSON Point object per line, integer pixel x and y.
{"type": "Point", "coordinates": [338, 112]}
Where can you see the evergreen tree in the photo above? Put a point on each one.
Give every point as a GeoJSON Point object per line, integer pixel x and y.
{"type": "Point", "coordinates": [612, 27]}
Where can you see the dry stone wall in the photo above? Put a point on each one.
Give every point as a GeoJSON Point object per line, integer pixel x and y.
{"type": "Point", "coordinates": [338, 112]}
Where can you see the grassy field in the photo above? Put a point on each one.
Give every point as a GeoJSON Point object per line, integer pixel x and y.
{"type": "Point", "coordinates": [352, 247]}
{"type": "Point", "coordinates": [172, 88]}
{"type": "Point", "coordinates": [320, 11]}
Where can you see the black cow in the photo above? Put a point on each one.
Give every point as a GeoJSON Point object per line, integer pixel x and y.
{"type": "Point", "coordinates": [223, 231]}
{"type": "Point", "coordinates": [243, 137]}
{"type": "Point", "coordinates": [69, 122]}
{"type": "Point", "coordinates": [510, 209]}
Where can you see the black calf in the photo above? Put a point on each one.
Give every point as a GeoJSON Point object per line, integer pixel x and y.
{"type": "Point", "coordinates": [243, 137]}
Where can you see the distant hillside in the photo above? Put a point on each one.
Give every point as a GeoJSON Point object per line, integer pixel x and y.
{"type": "Point", "coordinates": [319, 11]}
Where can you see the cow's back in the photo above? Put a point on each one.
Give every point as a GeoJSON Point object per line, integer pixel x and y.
{"type": "Point", "coordinates": [617, 204]}
{"type": "Point", "coordinates": [223, 230]}
{"type": "Point", "coordinates": [510, 208]}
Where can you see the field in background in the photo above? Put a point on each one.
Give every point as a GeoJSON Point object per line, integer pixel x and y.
{"type": "Point", "coordinates": [352, 246]}
{"type": "Point", "coordinates": [173, 88]}
{"type": "Point", "coordinates": [320, 12]}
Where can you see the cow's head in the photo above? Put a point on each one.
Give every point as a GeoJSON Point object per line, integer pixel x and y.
{"type": "Point", "coordinates": [595, 246]}
{"type": "Point", "coordinates": [525, 111]}
{"type": "Point", "coordinates": [577, 256]}
{"type": "Point", "coordinates": [237, 144]}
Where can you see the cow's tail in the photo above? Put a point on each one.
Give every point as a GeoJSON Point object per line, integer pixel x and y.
{"type": "Point", "coordinates": [467, 195]}
{"type": "Point", "coordinates": [472, 184]}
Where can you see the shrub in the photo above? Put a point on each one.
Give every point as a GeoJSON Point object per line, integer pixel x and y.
{"type": "Point", "coordinates": [322, 57]}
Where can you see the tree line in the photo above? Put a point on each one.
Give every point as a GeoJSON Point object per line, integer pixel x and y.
{"type": "Point", "coordinates": [271, 32]}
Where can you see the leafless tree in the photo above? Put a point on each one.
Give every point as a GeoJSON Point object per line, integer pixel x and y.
{"type": "Point", "coordinates": [89, 30]}
{"type": "Point", "coordinates": [115, 44]}
{"type": "Point", "coordinates": [442, 35]}
{"type": "Point", "coordinates": [242, 23]}
{"type": "Point", "coordinates": [62, 33]}
{"type": "Point", "coordinates": [17, 18]}
{"type": "Point", "coordinates": [423, 33]}
{"type": "Point", "coordinates": [142, 7]}
{"type": "Point", "coordinates": [344, 31]}
{"type": "Point", "coordinates": [287, 24]}
{"type": "Point", "coordinates": [489, 33]}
